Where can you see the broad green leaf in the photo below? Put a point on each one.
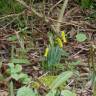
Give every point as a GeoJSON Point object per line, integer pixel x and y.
{"type": "Point", "coordinates": [15, 76]}
{"type": "Point", "coordinates": [11, 68]}
{"type": "Point", "coordinates": [81, 37]}
{"type": "Point", "coordinates": [25, 91]}
{"type": "Point", "coordinates": [67, 93]}
{"type": "Point", "coordinates": [24, 78]}
{"type": "Point", "coordinates": [21, 77]}
{"type": "Point", "coordinates": [47, 80]}
{"type": "Point", "coordinates": [18, 68]}
{"type": "Point", "coordinates": [11, 65]}
{"type": "Point", "coordinates": [63, 77]}
{"type": "Point", "coordinates": [15, 68]}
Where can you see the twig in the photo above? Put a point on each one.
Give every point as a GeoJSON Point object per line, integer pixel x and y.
{"type": "Point", "coordinates": [32, 9]}
{"type": "Point", "coordinates": [11, 15]}
{"type": "Point", "coordinates": [54, 27]}
{"type": "Point", "coordinates": [61, 15]}
{"type": "Point", "coordinates": [19, 39]}
{"type": "Point", "coordinates": [76, 54]}
{"type": "Point", "coordinates": [54, 6]}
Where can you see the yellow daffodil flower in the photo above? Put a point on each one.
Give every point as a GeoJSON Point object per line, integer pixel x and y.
{"type": "Point", "coordinates": [46, 52]}
{"type": "Point", "coordinates": [63, 36]}
{"type": "Point", "coordinates": [59, 41]}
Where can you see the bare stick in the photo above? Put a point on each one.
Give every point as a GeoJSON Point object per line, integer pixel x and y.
{"type": "Point", "coordinates": [61, 15]}
{"type": "Point", "coordinates": [54, 6]}
{"type": "Point", "coordinates": [11, 15]}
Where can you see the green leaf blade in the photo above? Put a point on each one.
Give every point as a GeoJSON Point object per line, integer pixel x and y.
{"type": "Point", "coordinates": [25, 91]}
{"type": "Point", "coordinates": [63, 77]}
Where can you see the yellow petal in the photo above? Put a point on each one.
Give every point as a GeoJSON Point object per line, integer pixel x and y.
{"type": "Point", "coordinates": [59, 41]}
{"type": "Point", "coordinates": [63, 36]}
{"type": "Point", "coordinates": [63, 33]}
{"type": "Point", "coordinates": [46, 52]}
{"type": "Point", "coordinates": [64, 39]}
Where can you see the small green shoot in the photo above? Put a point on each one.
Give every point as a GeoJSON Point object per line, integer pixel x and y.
{"type": "Point", "coordinates": [80, 37]}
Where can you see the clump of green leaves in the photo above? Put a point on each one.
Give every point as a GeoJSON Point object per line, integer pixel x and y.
{"type": "Point", "coordinates": [53, 58]}
{"type": "Point", "coordinates": [17, 74]}
{"type": "Point", "coordinates": [54, 54]}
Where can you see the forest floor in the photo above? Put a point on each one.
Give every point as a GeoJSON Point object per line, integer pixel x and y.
{"type": "Point", "coordinates": [33, 36]}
